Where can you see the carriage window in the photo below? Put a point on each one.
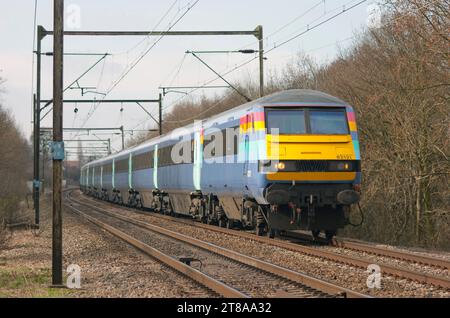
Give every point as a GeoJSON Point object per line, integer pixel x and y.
{"type": "Point", "coordinates": [121, 166]}
{"type": "Point", "coordinates": [328, 122]}
{"type": "Point", "coordinates": [289, 122]}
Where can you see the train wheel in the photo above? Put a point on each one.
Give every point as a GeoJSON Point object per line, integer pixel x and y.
{"type": "Point", "coordinates": [315, 234]}
{"type": "Point", "coordinates": [138, 203]}
{"type": "Point", "coordinates": [260, 231]}
{"type": "Point", "coordinates": [271, 233]}
{"type": "Point", "coordinates": [329, 234]}
{"type": "Point", "coordinates": [230, 224]}
{"type": "Point", "coordinates": [222, 223]}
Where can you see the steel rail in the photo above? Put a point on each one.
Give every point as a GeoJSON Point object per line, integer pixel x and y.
{"type": "Point", "coordinates": [370, 248]}
{"type": "Point", "coordinates": [209, 282]}
{"type": "Point", "coordinates": [273, 269]}
{"type": "Point", "coordinates": [336, 257]}
{"type": "Point", "coordinates": [422, 259]}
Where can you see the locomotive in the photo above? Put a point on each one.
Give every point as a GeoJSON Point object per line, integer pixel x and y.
{"type": "Point", "coordinates": [287, 161]}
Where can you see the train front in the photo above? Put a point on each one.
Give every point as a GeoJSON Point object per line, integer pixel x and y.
{"type": "Point", "coordinates": [313, 168]}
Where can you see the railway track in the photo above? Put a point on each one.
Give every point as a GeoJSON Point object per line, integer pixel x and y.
{"type": "Point", "coordinates": [401, 255]}
{"type": "Point", "coordinates": [359, 262]}
{"type": "Point", "coordinates": [371, 248]}
{"type": "Point", "coordinates": [226, 272]}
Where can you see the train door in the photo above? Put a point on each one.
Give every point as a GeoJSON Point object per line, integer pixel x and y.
{"type": "Point", "coordinates": [101, 178]}
{"type": "Point", "coordinates": [113, 174]}
{"type": "Point", "coordinates": [246, 140]}
{"type": "Point", "coordinates": [198, 159]}
{"type": "Point", "coordinates": [155, 168]}
{"type": "Point", "coordinates": [130, 171]}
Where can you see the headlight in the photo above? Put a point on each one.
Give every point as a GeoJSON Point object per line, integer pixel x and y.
{"type": "Point", "coordinates": [341, 166]}
{"type": "Point", "coordinates": [269, 166]}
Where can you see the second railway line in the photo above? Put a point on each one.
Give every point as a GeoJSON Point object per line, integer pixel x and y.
{"type": "Point", "coordinates": [349, 270]}
{"type": "Point", "coordinates": [249, 277]}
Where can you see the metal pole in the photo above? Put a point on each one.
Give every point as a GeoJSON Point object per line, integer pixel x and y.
{"type": "Point", "coordinates": [160, 116]}
{"type": "Point", "coordinates": [43, 168]}
{"type": "Point", "coordinates": [123, 138]}
{"type": "Point", "coordinates": [260, 36]}
{"type": "Point", "coordinates": [37, 127]}
{"type": "Point", "coordinates": [58, 48]}
{"type": "Point", "coordinates": [35, 169]}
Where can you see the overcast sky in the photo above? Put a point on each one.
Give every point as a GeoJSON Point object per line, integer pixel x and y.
{"type": "Point", "coordinates": [166, 64]}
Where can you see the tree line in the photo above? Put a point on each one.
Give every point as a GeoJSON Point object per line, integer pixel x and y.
{"type": "Point", "coordinates": [15, 167]}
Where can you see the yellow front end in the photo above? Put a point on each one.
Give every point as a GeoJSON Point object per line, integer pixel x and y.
{"type": "Point", "coordinates": [310, 147]}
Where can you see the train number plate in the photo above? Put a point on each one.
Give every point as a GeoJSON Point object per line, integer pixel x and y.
{"type": "Point", "coordinates": [344, 157]}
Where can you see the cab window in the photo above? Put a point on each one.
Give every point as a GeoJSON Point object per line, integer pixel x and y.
{"type": "Point", "coordinates": [288, 122]}
{"type": "Point", "coordinates": [326, 122]}
{"type": "Point", "coordinates": [304, 121]}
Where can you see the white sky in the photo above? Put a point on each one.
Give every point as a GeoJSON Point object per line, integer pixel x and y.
{"type": "Point", "coordinates": [161, 65]}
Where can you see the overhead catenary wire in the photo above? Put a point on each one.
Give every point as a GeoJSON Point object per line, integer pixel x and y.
{"type": "Point", "coordinates": [223, 79]}
{"type": "Point", "coordinates": [94, 106]}
{"type": "Point", "coordinates": [77, 79]}
{"type": "Point", "coordinates": [297, 18]}
{"type": "Point", "coordinates": [356, 35]}
{"type": "Point", "coordinates": [113, 85]}
{"type": "Point", "coordinates": [285, 42]}
{"type": "Point", "coordinates": [148, 36]}
{"type": "Point", "coordinates": [304, 13]}
{"type": "Point", "coordinates": [102, 72]}
{"type": "Point", "coordinates": [176, 70]}
{"type": "Point", "coordinates": [311, 28]}
{"type": "Point", "coordinates": [140, 58]}
{"type": "Point", "coordinates": [325, 13]}
{"type": "Point", "coordinates": [344, 10]}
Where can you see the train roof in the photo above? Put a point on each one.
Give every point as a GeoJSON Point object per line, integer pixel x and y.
{"type": "Point", "coordinates": [300, 96]}
{"type": "Point", "coordinates": [305, 97]}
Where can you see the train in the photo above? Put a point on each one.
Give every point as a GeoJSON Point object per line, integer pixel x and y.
{"type": "Point", "coordinates": [287, 161]}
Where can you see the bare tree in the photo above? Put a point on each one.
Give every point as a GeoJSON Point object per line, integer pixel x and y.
{"type": "Point", "coordinates": [14, 163]}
